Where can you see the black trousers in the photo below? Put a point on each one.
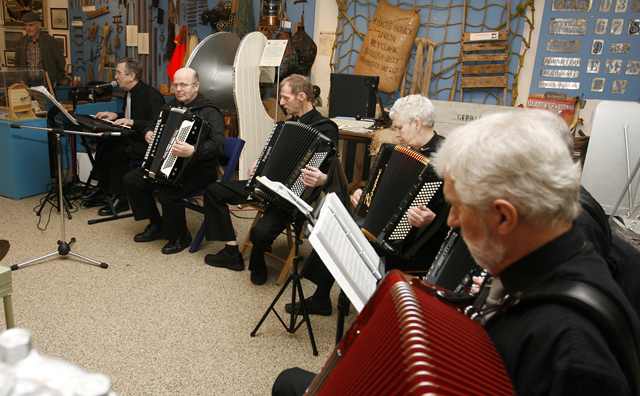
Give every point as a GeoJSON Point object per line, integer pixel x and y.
{"type": "Point", "coordinates": [218, 225]}
{"type": "Point", "coordinates": [140, 193]}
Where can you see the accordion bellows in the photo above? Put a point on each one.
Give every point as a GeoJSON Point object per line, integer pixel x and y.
{"type": "Point", "coordinates": [407, 342]}
{"type": "Point", "coordinates": [401, 178]}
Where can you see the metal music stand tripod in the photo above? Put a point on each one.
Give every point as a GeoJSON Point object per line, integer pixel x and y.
{"type": "Point", "coordinates": [64, 248]}
{"type": "Point", "coordinates": [296, 291]}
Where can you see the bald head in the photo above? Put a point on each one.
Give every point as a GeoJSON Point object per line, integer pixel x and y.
{"type": "Point", "coordinates": [186, 84]}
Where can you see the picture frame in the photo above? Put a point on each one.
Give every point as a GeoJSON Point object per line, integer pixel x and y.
{"type": "Point", "coordinates": [62, 39]}
{"type": "Point", "coordinates": [9, 58]}
{"type": "Point", "coordinates": [59, 18]}
{"type": "Point", "coordinates": [13, 10]}
{"type": "Point", "coordinates": [11, 39]}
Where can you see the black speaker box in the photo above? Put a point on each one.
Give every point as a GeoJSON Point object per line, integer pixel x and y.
{"type": "Point", "coordinates": [353, 96]}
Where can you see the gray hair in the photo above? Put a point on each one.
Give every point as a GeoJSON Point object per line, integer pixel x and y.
{"type": "Point", "coordinates": [517, 156]}
{"type": "Point", "coordinates": [411, 107]}
{"type": "Point", "coordinates": [132, 65]}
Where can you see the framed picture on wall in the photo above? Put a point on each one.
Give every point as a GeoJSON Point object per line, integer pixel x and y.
{"type": "Point", "coordinates": [59, 18]}
{"type": "Point", "coordinates": [13, 10]}
{"type": "Point", "coordinates": [9, 58]}
{"type": "Point", "coordinates": [11, 40]}
{"type": "Point", "coordinates": [62, 39]}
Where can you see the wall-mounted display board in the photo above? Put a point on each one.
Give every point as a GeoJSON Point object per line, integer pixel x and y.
{"type": "Point", "coordinates": [589, 48]}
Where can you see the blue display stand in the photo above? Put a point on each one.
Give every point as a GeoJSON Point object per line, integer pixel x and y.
{"type": "Point", "coordinates": [24, 159]}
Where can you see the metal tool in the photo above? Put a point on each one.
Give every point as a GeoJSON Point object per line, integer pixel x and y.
{"type": "Point", "coordinates": [625, 126]}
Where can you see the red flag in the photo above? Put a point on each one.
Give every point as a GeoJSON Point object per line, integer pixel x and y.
{"type": "Point", "coordinates": [178, 53]}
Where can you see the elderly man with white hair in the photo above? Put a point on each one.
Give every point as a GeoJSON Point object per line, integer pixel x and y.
{"type": "Point", "coordinates": [513, 192]}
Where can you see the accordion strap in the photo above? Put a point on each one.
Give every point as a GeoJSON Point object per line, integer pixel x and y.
{"type": "Point", "coordinates": [600, 310]}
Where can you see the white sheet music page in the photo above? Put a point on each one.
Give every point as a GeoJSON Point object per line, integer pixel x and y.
{"type": "Point", "coordinates": [346, 252]}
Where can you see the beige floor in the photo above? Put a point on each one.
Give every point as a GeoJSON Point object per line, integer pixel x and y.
{"type": "Point", "coordinates": [155, 324]}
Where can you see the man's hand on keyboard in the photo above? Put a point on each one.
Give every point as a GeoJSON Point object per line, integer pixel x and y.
{"type": "Point", "coordinates": [106, 115]}
{"type": "Point", "coordinates": [124, 121]}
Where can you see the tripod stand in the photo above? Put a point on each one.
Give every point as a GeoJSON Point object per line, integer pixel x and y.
{"type": "Point", "coordinates": [295, 292]}
{"type": "Point", "coordinates": [64, 248]}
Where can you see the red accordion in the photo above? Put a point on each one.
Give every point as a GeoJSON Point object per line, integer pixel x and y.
{"type": "Point", "coordinates": [407, 342]}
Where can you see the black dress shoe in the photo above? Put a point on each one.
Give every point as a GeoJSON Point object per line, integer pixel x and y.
{"type": "Point", "coordinates": [151, 233]}
{"type": "Point", "coordinates": [177, 245]}
{"type": "Point", "coordinates": [313, 308]}
{"type": "Point", "coordinates": [120, 205]}
{"type": "Point", "coordinates": [95, 193]}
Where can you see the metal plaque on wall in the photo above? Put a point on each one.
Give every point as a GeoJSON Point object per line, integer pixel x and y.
{"type": "Point", "coordinates": [568, 26]}
{"type": "Point", "coordinates": [571, 5]}
{"type": "Point", "coordinates": [564, 46]}
{"type": "Point", "coordinates": [634, 27]}
{"type": "Point", "coordinates": [559, 73]}
{"type": "Point", "coordinates": [633, 68]}
{"type": "Point", "coordinates": [619, 48]}
{"type": "Point", "coordinates": [596, 47]}
{"type": "Point", "coordinates": [619, 86]}
{"type": "Point", "coordinates": [593, 66]}
{"type": "Point", "coordinates": [560, 61]}
{"type": "Point", "coordinates": [613, 66]}
{"type": "Point", "coordinates": [616, 26]}
{"type": "Point", "coordinates": [601, 26]}
{"type": "Point", "coordinates": [558, 84]}
{"type": "Point", "coordinates": [597, 85]}
{"type": "Point", "coordinates": [621, 5]}
{"type": "Point", "coordinates": [605, 5]}
{"type": "Point", "coordinates": [635, 7]}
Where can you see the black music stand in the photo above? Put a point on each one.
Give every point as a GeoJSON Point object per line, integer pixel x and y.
{"type": "Point", "coordinates": [304, 212]}
{"type": "Point", "coordinates": [296, 291]}
{"type": "Point", "coordinates": [64, 248]}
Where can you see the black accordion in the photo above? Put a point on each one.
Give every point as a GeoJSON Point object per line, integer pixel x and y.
{"type": "Point", "coordinates": [290, 147]}
{"type": "Point", "coordinates": [401, 178]}
{"type": "Point", "coordinates": [173, 125]}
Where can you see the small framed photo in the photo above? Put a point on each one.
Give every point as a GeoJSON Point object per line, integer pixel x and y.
{"type": "Point", "coordinates": [62, 39]}
{"type": "Point", "coordinates": [9, 58]}
{"type": "Point", "coordinates": [60, 18]}
{"type": "Point", "coordinates": [11, 39]}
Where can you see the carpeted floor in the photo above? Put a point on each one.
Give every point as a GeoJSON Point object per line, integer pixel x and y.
{"type": "Point", "coordinates": [155, 324]}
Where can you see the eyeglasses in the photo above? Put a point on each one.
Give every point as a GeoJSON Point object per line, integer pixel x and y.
{"type": "Point", "coordinates": [121, 74]}
{"type": "Point", "coordinates": [181, 85]}
{"type": "Point", "coordinates": [397, 128]}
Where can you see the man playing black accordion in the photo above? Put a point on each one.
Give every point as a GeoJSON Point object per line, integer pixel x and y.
{"type": "Point", "coordinates": [172, 224]}
{"type": "Point", "coordinates": [295, 96]}
{"type": "Point", "coordinates": [413, 118]}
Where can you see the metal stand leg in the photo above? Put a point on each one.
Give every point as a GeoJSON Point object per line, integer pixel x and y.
{"type": "Point", "coordinates": [295, 291]}
{"type": "Point", "coordinates": [64, 248]}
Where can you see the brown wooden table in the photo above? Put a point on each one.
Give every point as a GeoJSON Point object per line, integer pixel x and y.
{"type": "Point", "coordinates": [360, 161]}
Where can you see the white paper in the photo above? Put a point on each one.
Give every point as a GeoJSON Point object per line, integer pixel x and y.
{"type": "Point", "coordinates": [273, 53]}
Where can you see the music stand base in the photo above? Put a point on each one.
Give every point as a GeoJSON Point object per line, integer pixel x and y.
{"type": "Point", "coordinates": [64, 249]}
{"type": "Point", "coordinates": [295, 292]}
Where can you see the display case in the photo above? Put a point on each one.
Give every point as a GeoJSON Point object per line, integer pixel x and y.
{"type": "Point", "coordinates": [16, 76]}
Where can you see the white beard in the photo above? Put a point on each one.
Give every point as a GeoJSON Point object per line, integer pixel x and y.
{"type": "Point", "coordinates": [487, 252]}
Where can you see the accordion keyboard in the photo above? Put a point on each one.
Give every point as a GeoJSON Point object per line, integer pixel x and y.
{"type": "Point", "coordinates": [424, 196]}
{"type": "Point", "coordinates": [181, 136]}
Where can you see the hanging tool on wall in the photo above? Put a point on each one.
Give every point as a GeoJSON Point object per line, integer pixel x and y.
{"type": "Point", "coordinates": [132, 32]}
{"type": "Point", "coordinates": [105, 36]}
{"type": "Point", "coordinates": [92, 31]}
{"type": "Point", "coordinates": [97, 12]}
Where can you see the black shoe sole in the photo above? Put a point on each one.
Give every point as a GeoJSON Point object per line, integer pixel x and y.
{"type": "Point", "coordinates": [230, 266]}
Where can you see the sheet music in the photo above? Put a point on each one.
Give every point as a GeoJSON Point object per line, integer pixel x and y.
{"type": "Point", "coordinates": [346, 252]}
{"type": "Point", "coordinates": [287, 194]}
{"type": "Point", "coordinates": [42, 90]}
